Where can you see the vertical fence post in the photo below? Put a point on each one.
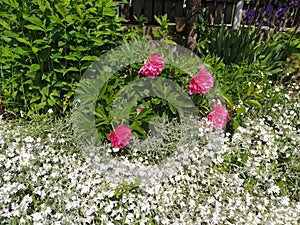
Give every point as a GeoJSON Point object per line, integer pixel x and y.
{"type": "Point", "coordinates": [238, 13]}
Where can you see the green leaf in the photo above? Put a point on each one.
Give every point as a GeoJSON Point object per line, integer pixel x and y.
{"type": "Point", "coordinates": [239, 111]}
{"type": "Point", "coordinates": [235, 124]}
{"type": "Point", "coordinates": [43, 5]}
{"type": "Point", "coordinates": [172, 108]}
{"type": "Point", "coordinates": [158, 20]}
{"type": "Point", "coordinates": [61, 43]}
{"type": "Point", "coordinates": [4, 25]}
{"type": "Point", "coordinates": [108, 12]}
{"type": "Point", "coordinates": [227, 100]}
{"type": "Point", "coordinates": [34, 20]}
{"type": "Point", "coordinates": [250, 89]}
{"type": "Point", "coordinates": [170, 42]}
{"type": "Point", "coordinates": [90, 58]}
{"type": "Point", "coordinates": [61, 9]}
{"type": "Point", "coordinates": [23, 40]}
{"type": "Point", "coordinates": [14, 4]}
{"type": "Point", "coordinates": [34, 27]}
{"type": "Point", "coordinates": [34, 99]}
{"type": "Point", "coordinates": [50, 101]}
{"type": "Point", "coordinates": [254, 103]}
{"type": "Point", "coordinates": [156, 101]}
{"type": "Point", "coordinates": [35, 49]}
{"type": "Point", "coordinates": [70, 57]}
{"type": "Point", "coordinates": [156, 33]}
{"type": "Point", "coordinates": [138, 129]}
{"type": "Point", "coordinates": [55, 19]}
{"type": "Point", "coordinates": [40, 106]}
{"type": "Point", "coordinates": [71, 18]}
{"type": "Point", "coordinates": [45, 91]}
{"type": "Point", "coordinates": [34, 67]}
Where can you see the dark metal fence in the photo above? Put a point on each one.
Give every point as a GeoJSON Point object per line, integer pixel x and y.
{"type": "Point", "coordinates": [216, 10]}
{"type": "Point", "coordinates": [149, 8]}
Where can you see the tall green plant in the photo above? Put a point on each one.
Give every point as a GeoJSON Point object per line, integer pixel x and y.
{"type": "Point", "coordinates": [46, 46]}
{"type": "Point", "coordinates": [162, 33]}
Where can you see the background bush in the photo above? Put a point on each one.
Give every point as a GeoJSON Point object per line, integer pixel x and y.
{"type": "Point", "coordinates": [46, 46]}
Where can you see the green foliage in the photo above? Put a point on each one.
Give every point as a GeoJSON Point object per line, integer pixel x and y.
{"type": "Point", "coordinates": [245, 61]}
{"type": "Point", "coordinates": [46, 46]}
{"type": "Point", "coordinates": [245, 45]}
{"type": "Point", "coordinates": [118, 89]}
{"type": "Point", "coordinates": [292, 66]}
{"type": "Point", "coordinates": [141, 20]}
{"type": "Point", "coordinates": [242, 86]}
{"type": "Point", "coordinates": [228, 44]}
{"type": "Point", "coordinates": [162, 33]}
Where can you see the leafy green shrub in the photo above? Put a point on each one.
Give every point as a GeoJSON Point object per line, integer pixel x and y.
{"type": "Point", "coordinates": [117, 77]}
{"type": "Point", "coordinates": [46, 46]}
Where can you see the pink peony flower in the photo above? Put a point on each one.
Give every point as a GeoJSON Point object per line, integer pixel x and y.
{"type": "Point", "coordinates": [120, 137]}
{"type": "Point", "coordinates": [219, 116]}
{"type": "Point", "coordinates": [153, 67]}
{"type": "Point", "coordinates": [139, 110]}
{"type": "Point", "coordinates": [202, 82]}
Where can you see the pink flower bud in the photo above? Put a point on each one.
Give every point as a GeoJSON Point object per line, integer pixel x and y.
{"type": "Point", "coordinates": [139, 110]}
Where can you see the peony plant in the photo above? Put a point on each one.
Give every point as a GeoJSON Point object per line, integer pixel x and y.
{"type": "Point", "coordinates": [201, 83]}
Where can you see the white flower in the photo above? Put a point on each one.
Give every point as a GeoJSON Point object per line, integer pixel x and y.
{"type": "Point", "coordinates": [129, 218]}
{"type": "Point", "coordinates": [115, 149]}
{"type": "Point", "coordinates": [36, 217]}
{"type": "Point", "coordinates": [274, 189]}
{"type": "Point", "coordinates": [192, 203]}
{"type": "Point", "coordinates": [165, 221]}
{"type": "Point", "coordinates": [28, 139]}
{"type": "Point", "coordinates": [285, 201]}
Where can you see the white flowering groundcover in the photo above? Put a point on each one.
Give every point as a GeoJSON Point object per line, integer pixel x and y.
{"type": "Point", "coordinates": [251, 177]}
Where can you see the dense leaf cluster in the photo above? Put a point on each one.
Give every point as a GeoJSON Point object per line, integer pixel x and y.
{"type": "Point", "coordinates": [46, 46]}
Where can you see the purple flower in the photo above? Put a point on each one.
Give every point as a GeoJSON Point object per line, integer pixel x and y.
{"type": "Point", "coordinates": [271, 16]}
{"type": "Point", "coordinates": [250, 14]}
{"type": "Point", "coordinates": [269, 10]}
{"type": "Point", "coordinates": [281, 11]}
{"type": "Point", "coordinates": [294, 4]}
